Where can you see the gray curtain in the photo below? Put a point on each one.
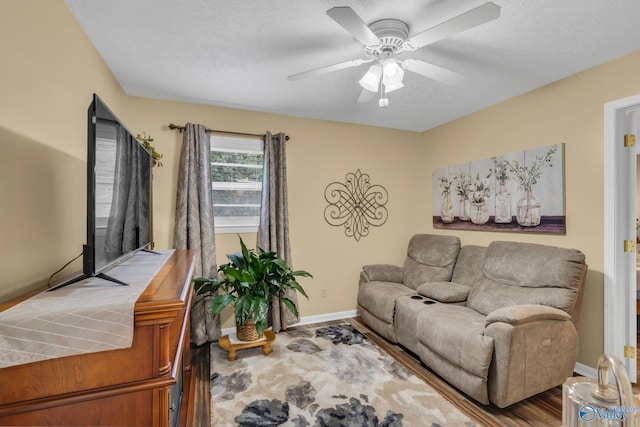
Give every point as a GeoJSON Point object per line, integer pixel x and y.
{"type": "Point", "coordinates": [194, 227]}
{"type": "Point", "coordinates": [273, 233]}
{"type": "Point", "coordinates": [125, 219]}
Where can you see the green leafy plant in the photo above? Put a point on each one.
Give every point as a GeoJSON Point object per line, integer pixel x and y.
{"type": "Point", "coordinates": [146, 140]}
{"type": "Point", "coordinates": [251, 280]}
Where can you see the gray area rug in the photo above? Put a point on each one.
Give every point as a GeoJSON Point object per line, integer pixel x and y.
{"type": "Point", "coordinates": [327, 376]}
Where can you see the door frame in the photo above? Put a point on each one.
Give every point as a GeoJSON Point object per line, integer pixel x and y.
{"type": "Point", "coordinates": [619, 224]}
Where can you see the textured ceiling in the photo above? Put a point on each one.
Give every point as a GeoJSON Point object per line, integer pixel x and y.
{"type": "Point", "coordinates": [239, 53]}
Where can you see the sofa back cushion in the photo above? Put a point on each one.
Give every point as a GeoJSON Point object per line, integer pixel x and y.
{"type": "Point", "coordinates": [526, 273]}
{"type": "Point", "coordinates": [430, 258]}
{"type": "Point", "coordinates": [468, 267]}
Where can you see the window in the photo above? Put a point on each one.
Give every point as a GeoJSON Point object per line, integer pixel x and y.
{"type": "Point", "coordinates": [236, 172]}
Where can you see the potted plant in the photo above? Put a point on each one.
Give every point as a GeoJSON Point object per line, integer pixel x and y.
{"type": "Point", "coordinates": [250, 281]}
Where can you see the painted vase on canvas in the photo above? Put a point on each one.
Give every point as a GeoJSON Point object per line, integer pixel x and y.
{"type": "Point", "coordinates": [528, 211]}
{"type": "Point", "coordinates": [446, 213]}
{"type": "Point", "coordinates": [465, 207]}
{"type": "Point", "coordinates": [479, 213]}
{"type": "Point", "coordinates": [503, 206]}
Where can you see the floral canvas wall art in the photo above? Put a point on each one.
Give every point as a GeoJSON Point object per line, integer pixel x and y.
{"type": "Point", "coordinates": [517, 192]}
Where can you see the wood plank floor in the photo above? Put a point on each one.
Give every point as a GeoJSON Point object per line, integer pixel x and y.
{"type": "Point", "coordinates": [202, 399]}
{"type": "Point", "coordinates": [544, 409]}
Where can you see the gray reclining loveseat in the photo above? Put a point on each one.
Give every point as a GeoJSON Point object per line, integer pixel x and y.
{"type": "Point", "coordinates": [499, 323]}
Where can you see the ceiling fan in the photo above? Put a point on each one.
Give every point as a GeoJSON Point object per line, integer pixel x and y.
{"type": "Point", "coordinates": [385, 39]}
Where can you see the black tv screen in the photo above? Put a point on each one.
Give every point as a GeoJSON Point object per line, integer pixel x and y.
{"type": "Point", "coordinates": [121, 175]}
{"type": "Point", "coordinates": [118, 193]}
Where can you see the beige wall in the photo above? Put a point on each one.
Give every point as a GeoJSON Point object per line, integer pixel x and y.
{"type": "Point", "coordinates": [46, 92]}
{"type": "Point", "coordinates": [48, 74]}
{"type": "Point", "coordinates": [50, 69]}
{"type": "Point", "coordinates": [318, 153]}
{"type": "Point", "coordinates": [569, 111]}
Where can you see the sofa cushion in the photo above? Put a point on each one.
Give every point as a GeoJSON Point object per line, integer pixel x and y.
{"type": "Point", "coordinates": [468, 267]}
{"type": "Point", "coordinates": [444, 291]}
{"type": "Point", "coordinates": [533, 266]}
{"type": "Point", "coordinates": [379, 298]}
{"type": "Point", "coordinates": [430, 258]}
{"type": "Point", "coordinates": [382, 327]}
{"type": "Point", "coordinates": [456, 333]}
{"type": "Point", "coordinates": [526, 273]}
{"type": "Point", "coordinates": [405, 320]}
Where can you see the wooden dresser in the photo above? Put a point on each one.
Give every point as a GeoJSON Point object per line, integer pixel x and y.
{"type": "Point", "coordinates": [148, 384]}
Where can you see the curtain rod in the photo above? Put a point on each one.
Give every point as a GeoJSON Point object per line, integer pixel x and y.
{"type": "Point", "coordinates": [181, 128]}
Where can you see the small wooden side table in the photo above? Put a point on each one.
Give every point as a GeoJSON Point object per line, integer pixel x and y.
{"type": "Point", "coordinates": [231, 345]}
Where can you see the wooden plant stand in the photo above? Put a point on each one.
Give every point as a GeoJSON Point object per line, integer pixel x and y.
{"type": "Point", "coordinates": [232, 347]}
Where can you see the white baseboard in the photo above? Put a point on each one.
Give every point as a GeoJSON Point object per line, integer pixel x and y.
{"type": "Point", "coordinates": [585, 371]}
{"type": "Point", "coordinates": [310, 319]}
{"type": "Point", "coordinates": [326, 317]}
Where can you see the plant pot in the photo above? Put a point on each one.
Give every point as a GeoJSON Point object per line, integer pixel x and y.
{"type": "Point", "coordinates": [247, 332]}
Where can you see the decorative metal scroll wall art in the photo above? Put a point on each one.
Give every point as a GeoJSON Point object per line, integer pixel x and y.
{"type": "Point", "coordinates": [517, 192]}
{"type": "Point", "coordinates": [356, 205]}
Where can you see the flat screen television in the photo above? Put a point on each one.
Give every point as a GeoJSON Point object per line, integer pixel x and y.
{"type": "Point", "coordinates": [118, 194]}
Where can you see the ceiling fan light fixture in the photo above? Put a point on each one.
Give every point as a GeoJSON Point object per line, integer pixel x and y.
{"type": "Point", "coordinates": [384, 40]}
{"type": "Point", "coordinates": [371, 80]}
{"type": "Point", "coordinates": [391, 87]}
{"type": "Point", "coordinates": [390, 67]}
{"type": "Point", "coordinates": [392, 81]}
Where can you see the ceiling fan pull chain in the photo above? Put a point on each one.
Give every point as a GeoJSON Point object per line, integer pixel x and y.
{"type": "Point", "coordinates": [383, 102]}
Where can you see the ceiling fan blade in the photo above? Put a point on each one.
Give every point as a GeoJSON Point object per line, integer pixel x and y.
{"type": "Point", "coordinates": [350, 21]}
{"type": "Point", "coordinates": [472, 18]}
{"type": "Point", "coordinates": [366, 96]}
{"type": "Point", "coordinates": [328, 69]}
{"type": "Point", "coordinates": [432, 71]}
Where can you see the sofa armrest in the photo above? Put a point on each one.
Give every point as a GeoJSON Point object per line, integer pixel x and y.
{"type": "Point", "coordinates": [535, 349]}
{"type": "Point", "coordinates": [449, 292]}
{"type": "Point", "coordinates": [524, 313]}
{"type": "Point", "coordinates": [382, 273]}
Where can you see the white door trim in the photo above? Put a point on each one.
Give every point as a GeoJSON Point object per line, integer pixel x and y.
{"type": "Point", "coordinates": [619, 224]}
